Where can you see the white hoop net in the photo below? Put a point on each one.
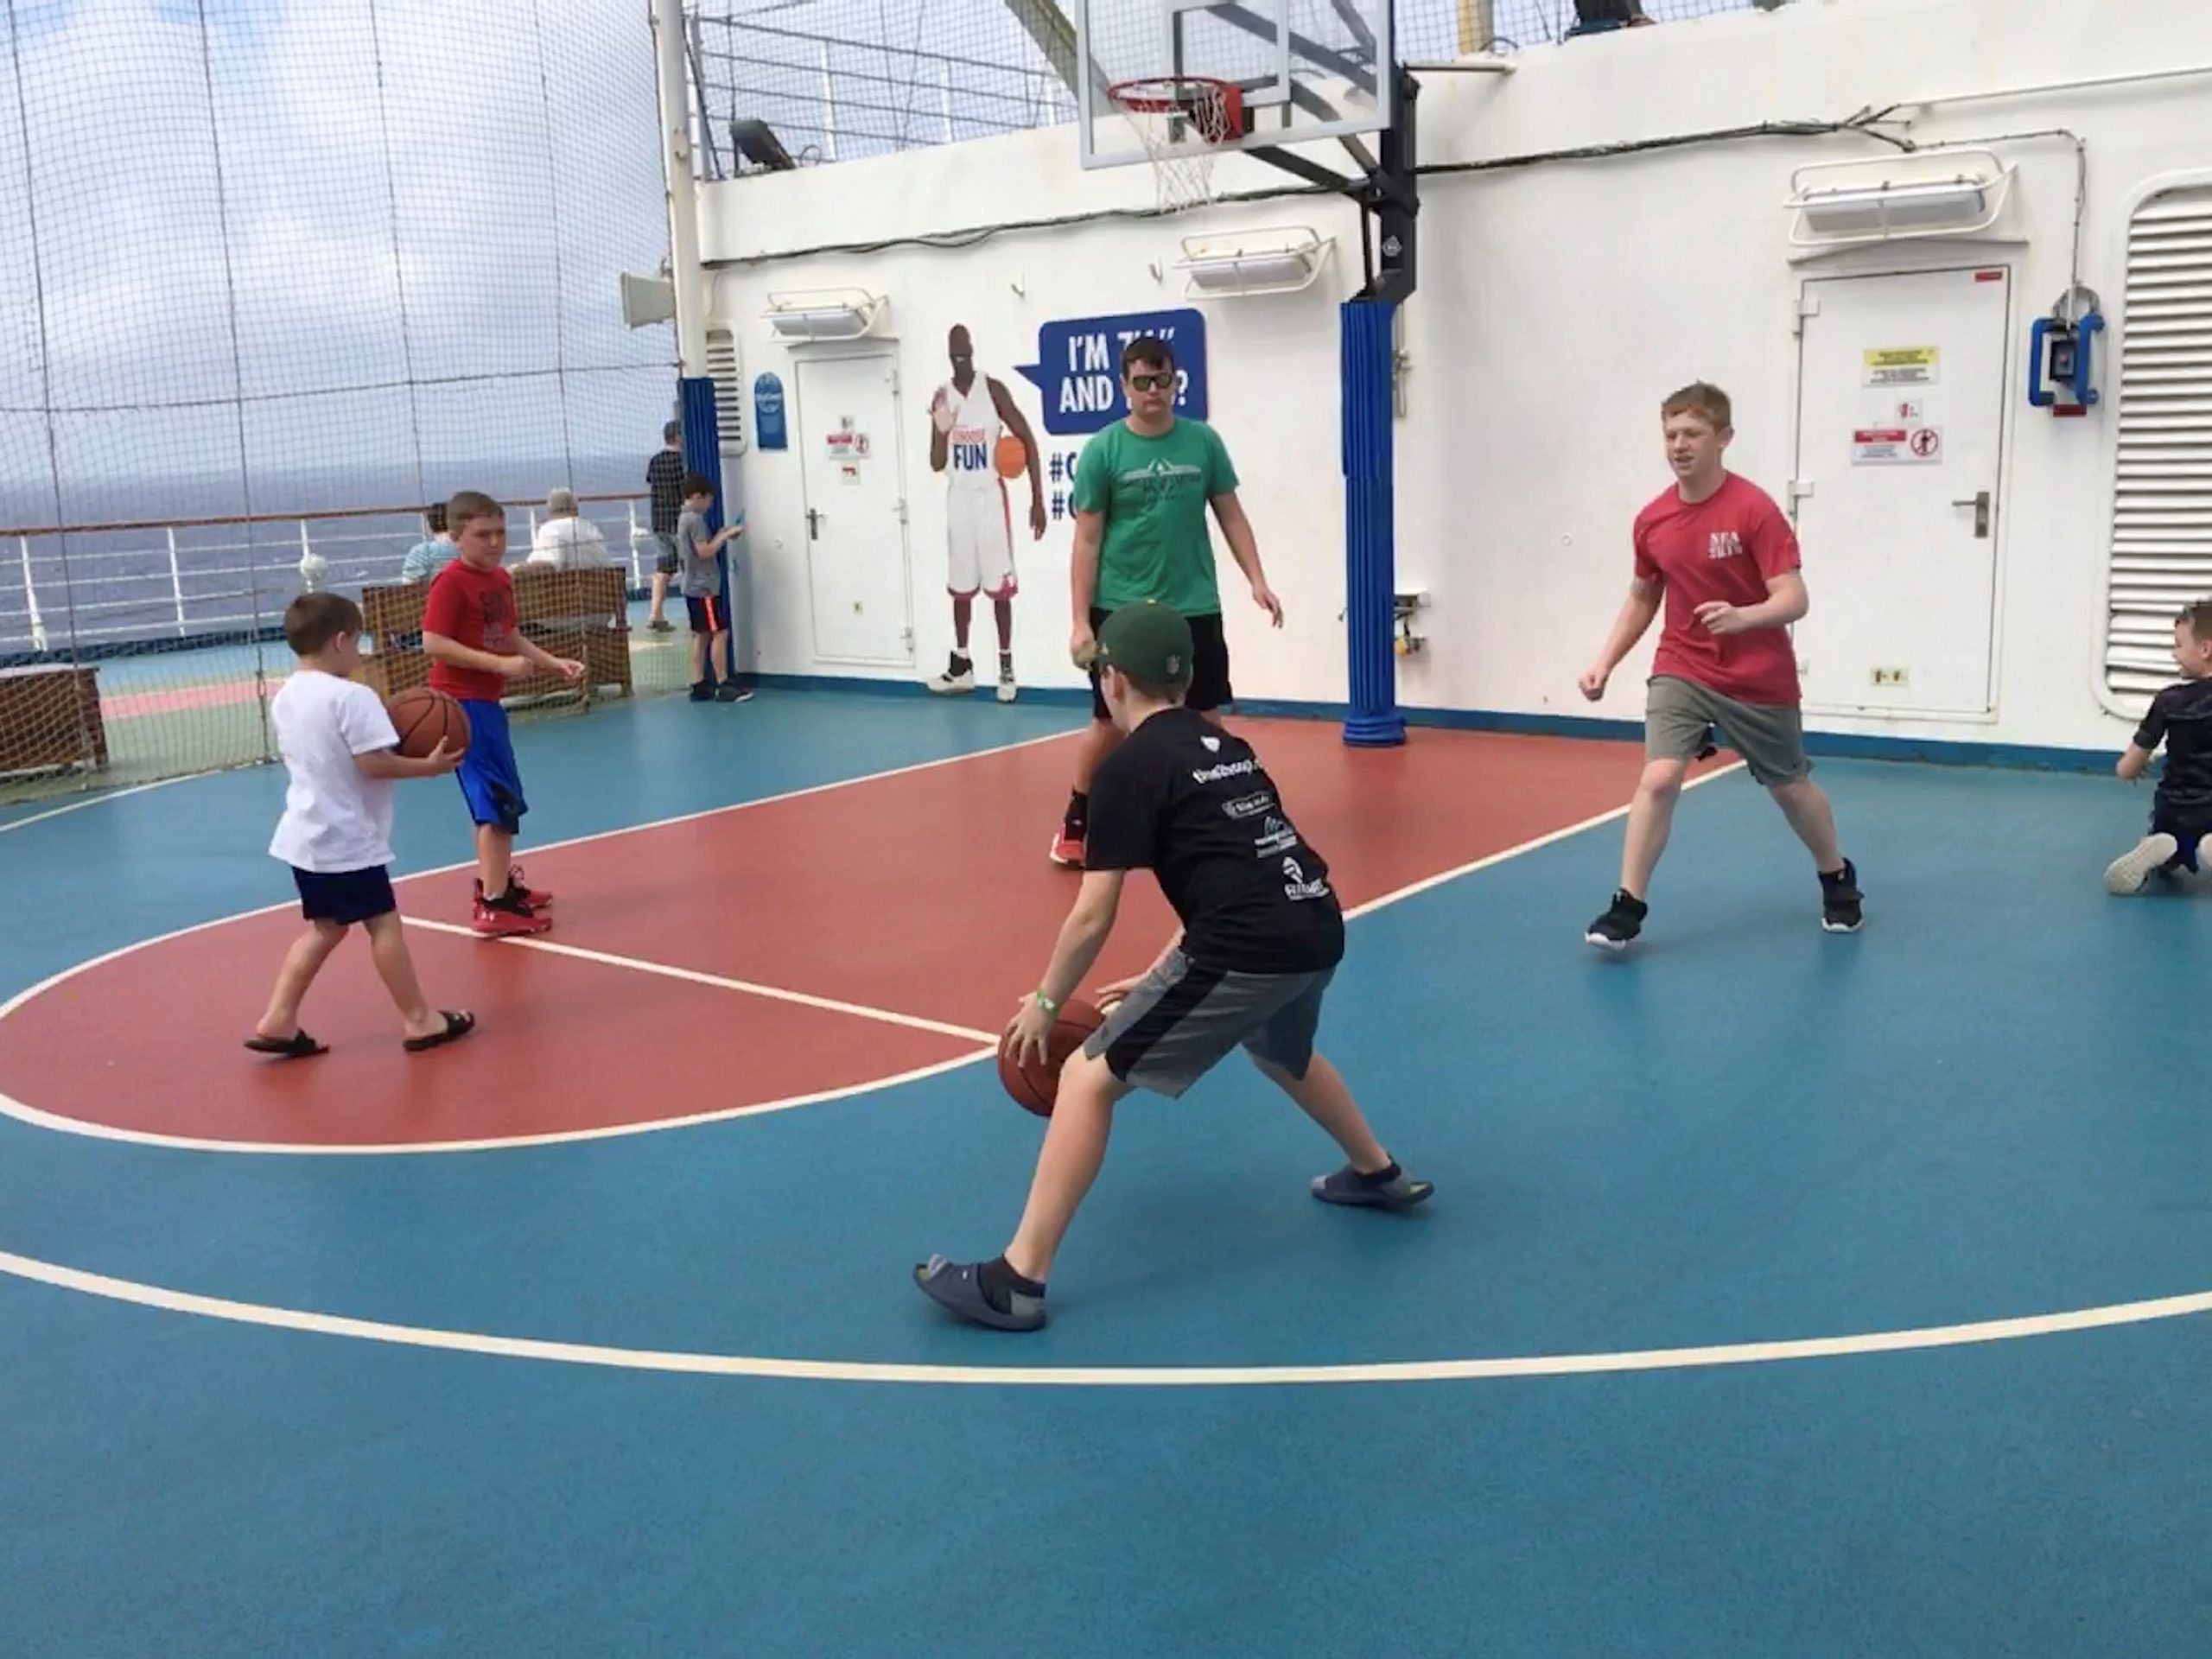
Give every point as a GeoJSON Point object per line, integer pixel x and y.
{"type": "Point", "coordinates": [1181, 120]}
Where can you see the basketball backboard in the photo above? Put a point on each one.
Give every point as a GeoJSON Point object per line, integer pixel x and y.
{"type": "Point", "coordinates": [1308, 69]}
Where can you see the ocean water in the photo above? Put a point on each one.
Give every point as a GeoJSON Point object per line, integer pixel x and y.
{"type": "Point", "coordinates": [173, 578]}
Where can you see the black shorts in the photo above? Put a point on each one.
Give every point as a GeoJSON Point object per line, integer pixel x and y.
{"type": "Point", "coordinates": [2187, 826]}
{"type": "Point", "coordinates": [1209, 666]}
{"type": "Point", "coordinates": [707, 615]}
{"type": "Point", "coordinates": [344, 896]}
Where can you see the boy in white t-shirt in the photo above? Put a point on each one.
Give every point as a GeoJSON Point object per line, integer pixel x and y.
{"type": "Point", "coordinates": [338, 745]}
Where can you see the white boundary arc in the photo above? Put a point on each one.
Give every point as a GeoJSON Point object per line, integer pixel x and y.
{"type": "Point", "coordinates": [1121, 1377]}
{"type": "Point", "coordinates": [1504, 1367]}
{"type": "Point", "coordinates": [25, 1113]}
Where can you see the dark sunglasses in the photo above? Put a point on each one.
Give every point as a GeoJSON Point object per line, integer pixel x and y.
{"type": "Point", "coordinates": [1151, 382]}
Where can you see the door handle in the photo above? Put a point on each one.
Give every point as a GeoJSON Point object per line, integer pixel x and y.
{"type": "Point", "coordinates": [1980, 502]}
{"type": "Point", "coordinates": [813, 525]}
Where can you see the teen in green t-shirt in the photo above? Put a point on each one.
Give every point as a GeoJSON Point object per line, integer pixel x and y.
{"type": "Point", "coordinates": [1142, 488]}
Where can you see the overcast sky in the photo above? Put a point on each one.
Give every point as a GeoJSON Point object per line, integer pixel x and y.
{"type": "Point", "coordinates": [523, 176]}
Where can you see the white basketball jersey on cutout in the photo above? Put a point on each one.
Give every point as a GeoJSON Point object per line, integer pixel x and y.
{"type": "Point", "coordinates": [972, 447]}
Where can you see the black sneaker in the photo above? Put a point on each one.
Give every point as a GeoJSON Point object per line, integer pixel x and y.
{"type": "Point", "coordinates": [701, 691]}
{"type": "Point", "coordinates": [1840, 901]}
{"type": "Point", "coordinates": [733, 694]}
{"type": "Point", "coordinates": [1623, 921]}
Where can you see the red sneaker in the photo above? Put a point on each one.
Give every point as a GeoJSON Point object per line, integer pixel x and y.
{"type": "Point", "coordinates": [519, 886]}
{"type": "Point", "coordinates": [518, 891]}
{"type": "Point", "coordinates": [1067, 849]}
{"type": "Point", "coordinates": [506, 918]}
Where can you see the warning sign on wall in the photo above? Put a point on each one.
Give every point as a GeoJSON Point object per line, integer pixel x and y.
{"type": "Point", "coordinates": [1903, 365]}
{"type": "Point", "coordinates": [1897, 446]}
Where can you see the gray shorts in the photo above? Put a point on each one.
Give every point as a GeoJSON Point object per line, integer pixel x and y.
{"type": "Point", "coordinates": [1770, 737]}
{"type": "Point", "coordinates": [1183, 1018]}
{"type": "Point", "coordinates": [666, 563]}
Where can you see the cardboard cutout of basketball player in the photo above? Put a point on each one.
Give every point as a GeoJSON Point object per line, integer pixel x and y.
{"type": "Point", "coordinates": [972, 420]}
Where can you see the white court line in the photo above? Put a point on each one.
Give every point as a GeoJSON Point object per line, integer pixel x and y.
{"type": "Point", "coordinates": [1123, 1376]}
{"type": "Point", "coordinates": [692, 976]}
{"type": "Point", "coordinates": [740, 1365]}
{"type": "Point", "coordinates": [38, 1118]}
{"type": "Point", "coordinates": [41, 1119]}
{"type": "Point", "coordinates": [103, 798]}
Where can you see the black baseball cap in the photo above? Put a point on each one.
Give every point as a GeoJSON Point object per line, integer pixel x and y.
{"type": "Point", "coordinates": [1149, 642]}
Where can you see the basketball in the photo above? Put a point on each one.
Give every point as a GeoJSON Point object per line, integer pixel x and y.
{"type": "Point", "coordinates": [1033, 1086]}
{"type": "Point", "coordinates": [1013, 456]}
{"type": "Point", "coordinates": [423, 718]}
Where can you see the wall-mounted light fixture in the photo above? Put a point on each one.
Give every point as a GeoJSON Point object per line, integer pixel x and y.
{"type": "Point", "coordinates": [1275, 261]}
{"type": "Point", "coordinates": [1931, 193]}
{"type": "Point", "coordinates": [824, 313]}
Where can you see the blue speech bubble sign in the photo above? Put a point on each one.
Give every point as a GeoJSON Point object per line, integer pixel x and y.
{"type": "Point", "coordinates": [1079, 366]}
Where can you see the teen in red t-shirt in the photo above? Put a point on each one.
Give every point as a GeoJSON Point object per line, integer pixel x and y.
{"type": "Point", "coordinates": [470, 635]}
{"type": "Point", "coordinates": [1722, 557]}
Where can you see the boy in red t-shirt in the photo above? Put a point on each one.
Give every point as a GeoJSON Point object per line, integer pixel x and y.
{"type": "Point", "coordinates": [1723, 556]}
{"type": "Point", "coordinates": [470, 634]}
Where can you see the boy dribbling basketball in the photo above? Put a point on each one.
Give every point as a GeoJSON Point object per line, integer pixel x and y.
{"type": "Point", "coordinates": [1261, 937]}
{"type": "Point", "coordinates": [2180, 717]}
{"type": "Point", "coordinates": [475, 646]}
{"type": "Point", "coordinates": [338, 746]}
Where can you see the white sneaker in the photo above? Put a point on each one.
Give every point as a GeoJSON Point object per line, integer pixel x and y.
{"type": "Point", "coordinates": [1007, 693]}
{"type": "Point", "coordinates": [954, 680]}
{"type": "Point", "coordinates": [2128, 873]}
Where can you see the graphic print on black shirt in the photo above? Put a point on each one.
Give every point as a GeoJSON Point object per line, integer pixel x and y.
{"type": "Point", "coordinates": [2181, 716]}
{"type": "Point", "coordinates": [1191, 804]}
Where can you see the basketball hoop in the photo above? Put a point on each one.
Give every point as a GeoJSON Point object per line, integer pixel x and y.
{"type": "Point", "coordinates": [1181, 120]}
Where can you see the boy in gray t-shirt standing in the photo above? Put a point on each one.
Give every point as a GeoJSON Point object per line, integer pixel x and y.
{"type": "Point", "coordinates": [702, 593]}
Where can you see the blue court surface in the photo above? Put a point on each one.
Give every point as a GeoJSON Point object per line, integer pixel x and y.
{"type": "Point", "coordinates": [1784, 1294]}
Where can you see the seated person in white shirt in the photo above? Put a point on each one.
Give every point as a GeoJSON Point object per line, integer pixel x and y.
{"type": "Point", "coordinates": [565, 540]}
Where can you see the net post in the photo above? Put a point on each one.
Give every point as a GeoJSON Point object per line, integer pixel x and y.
{"type": "Point", "coordinates": [1371, 511]}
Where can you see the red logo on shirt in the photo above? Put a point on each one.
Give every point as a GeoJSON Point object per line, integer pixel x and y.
{"type": "Point", "coordinates": [1724, 544]}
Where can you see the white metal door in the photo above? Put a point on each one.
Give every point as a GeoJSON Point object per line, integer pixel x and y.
{"type": "Point", "coordinates": [1900, 430]}
{"type": "Point", "coordinates": [847, 432]}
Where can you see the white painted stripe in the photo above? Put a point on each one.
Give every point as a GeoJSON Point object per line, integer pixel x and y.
{"type": "Point", "coordinates": [692, 976]}
{"type": "Point", "coordinates": [1401, 894]}
{"type": "Point", "coordinates": [103, 798]}
{"type": "Point", "coordinates": [45, 1120]}
{"type": "Point", "coordinates": [41, 1119]}
{"type": "Point", "coordinates": [1123, 1376]}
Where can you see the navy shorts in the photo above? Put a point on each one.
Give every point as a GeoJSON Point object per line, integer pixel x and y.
{"type": "Point", "coordinates": [344, 896]}
{"type": "Point", "coordinates": [490, 781]}
{"type": "Point", "coordinates": [1210, 688]}
{"type": "Point", "coordinates": [709, 615]}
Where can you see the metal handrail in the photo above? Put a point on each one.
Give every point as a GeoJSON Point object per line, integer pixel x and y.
{"type": "Point", "coordinates": [178, 564]}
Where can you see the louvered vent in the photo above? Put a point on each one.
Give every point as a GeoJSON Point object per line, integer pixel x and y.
{"type": "Point", "coordinates": [2162, 501]}
{"type": "Point", "coordinates": [723, 369]}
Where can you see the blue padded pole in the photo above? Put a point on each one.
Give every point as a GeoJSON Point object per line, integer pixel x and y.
{"type": "Point", "coordinates": [702, 454]}
{"type": "Point", "coordinates": [1370, 517]}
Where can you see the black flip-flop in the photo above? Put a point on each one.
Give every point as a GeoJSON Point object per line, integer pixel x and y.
{"type": "Point", "coordinates": [457, 1026]}
{"type": "Point", "coordinates": [297, 1046]}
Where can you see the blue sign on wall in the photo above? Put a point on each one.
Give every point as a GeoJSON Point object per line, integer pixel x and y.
{"type": "Point", "coordinates": [1079, 366]}
{"type": "Point", "coordinates": [768, 413]}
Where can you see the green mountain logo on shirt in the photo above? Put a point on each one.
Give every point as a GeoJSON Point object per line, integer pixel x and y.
{"type": "Point", "coordinates": [1159, 478]}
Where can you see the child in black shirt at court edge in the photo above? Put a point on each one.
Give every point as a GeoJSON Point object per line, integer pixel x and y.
{"type": "Point", "coordinates": [1261, 937]}
{"type": "Point", "coordinates": [2181, 718]}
